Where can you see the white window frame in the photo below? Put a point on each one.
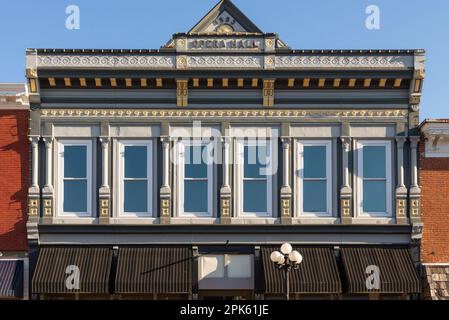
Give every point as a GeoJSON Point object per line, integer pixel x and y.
{"type": "Point", "coordinates": [121, 165]}
{"type": "Point", "coordinates": [89, 205]}
{"type": "Point", "coordinates": [299, 156]}
{"type": "Point", "coordinates": [388, 177]}
{"type": "Point", "coordinates": [240, 143]}
{"type": "Point", "coordinates": [180, 151]}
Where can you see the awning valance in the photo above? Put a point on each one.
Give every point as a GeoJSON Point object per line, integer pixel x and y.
{"type": "Point", "coordinates": [11, 278]}
{"type": "Point", "coordinates": [57, 270]}
{"type": "Point", "coordinates": [154, 270]}
{"type": "Point", "coordinates": [396, 272]}
{"type": "Point", "coordinates": [318, 272]}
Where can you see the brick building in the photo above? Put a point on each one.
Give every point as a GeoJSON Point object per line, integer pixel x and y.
{"type": "Point", "coordinates": [14, 171]}
{"type": "Point", "coordinates": [434, 178]}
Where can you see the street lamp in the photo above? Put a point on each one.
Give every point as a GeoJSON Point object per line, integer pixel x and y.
{"type": "Point", "coordinates": [286, 259]}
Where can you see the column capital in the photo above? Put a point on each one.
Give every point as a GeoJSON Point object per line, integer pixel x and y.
{"type": "Point", "coordinates": [48, 140]}
{"type": "Point", "coordinates": [165, 139]}
{"type": "Point", "coordinates": [346, 142]}
{"type": "Point", "coordinates": [286, 141]}
{"type": "Point", "coordinates": [105, 140]}
{"type": "Point", "coordinates": [400, 140]}
{"type": "Point", "coordinates": [414, 141]}
{"type": "Point", "coordinates": [34, 139]}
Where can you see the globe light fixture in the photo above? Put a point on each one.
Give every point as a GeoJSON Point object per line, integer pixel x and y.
{"type": "Point", "coordinates": [286, 259]}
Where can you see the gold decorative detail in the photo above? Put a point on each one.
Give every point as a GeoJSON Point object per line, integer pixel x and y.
{"type": "Point", "coordinates": [113, 82]}
{"type": "Point", "coordinates": [182, 93]}
{"type": "Point", "coordinates": [367, 83]}
{"type": "Point", "coordinates": [352, 83]}
{"type": "Point", "coordinates": [321, 82]}
{"type": "Point", "coordinates": [182, 62]}
{"type": "Point", "coordinates": [255, 82]}
{"type": "Point", "coordinates": [269, 43]}
{"type": "Point", "coordinates": [128, 82]}
{"type": "Point", "coordinates": [337, 83]}
{"type": "Point", "coordinates": [382, 83]}
{"type": "Point", "coordinates": [31, 73]}
{"type": "Point", "coordinates": [225, 82]}
{"type": "Point", "coordinates": [224, 28]}
{"type": "Point", "coordinates": [159, 82]}
{"type": "Point", "coordinates": [67, 82]}
{"type": "Point", "coordinates": [165, 207]}
{"type": "Point", "coordinates": [52, 82]}
{"type": "Point", "coordinates": [143, 82]}
{"type": "Point", "coordinates": [397, 83]}
{"type": "Point", "coordinates": [235, 113]}
{"type": "Point", "coordinates": [268, 93]}
{"type": "Point", "coordinates": [291, 82]}
{"type": "Point", "coordinates": [98, 82]}
{"type": "Point", "coordinates": [33, 207]}
{"type": "Point", "coordinates": [285, 206]}
{"type": "Point", "coordinates": [240, 82]}
{"type": "Point", "coordinates": [196, 82]}
{"type": "Point", "coordinates": [83, 82]}
{"type": "Point", "coordinates": [306, 83]}
{"type": "Point", "coordinates": [346, 207]}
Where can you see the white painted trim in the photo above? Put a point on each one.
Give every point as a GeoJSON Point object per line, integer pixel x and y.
{"type": "Point", "coordinates": [299, 165]}
{"type": "Point", "coordinates": [359, 144]}
{"type": "Point", "coordinates": [121, 186]}
{"type": "Point", "coordinates": [239, 156]}
{"type": "Point", "coordinates": [60, 178]}
{"type": "Point", "coordinates": [180, 178]}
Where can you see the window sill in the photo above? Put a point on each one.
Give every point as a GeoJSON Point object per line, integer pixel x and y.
{"type": "Point", "coordinates": [315, 220]}
{"type": "Point", "coordinates": [254, 220]}
{"type": "Point", "coordinates": [72, 220]}
{"type": "Point", "coordinates": [194, 220]}
{"type": "Point", "coordinates": [373, 220]}
{"type": "Point", "coordinates": [137, 220]}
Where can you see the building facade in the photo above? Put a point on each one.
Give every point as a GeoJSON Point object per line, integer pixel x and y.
{"type": "Point", "coordinates": [174, 173]}
{"type": "Point", "coordinates": [14, 170]}
{"type": "Point", "coordinates": [434, 174]}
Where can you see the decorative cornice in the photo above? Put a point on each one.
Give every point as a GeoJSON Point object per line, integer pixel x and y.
{"type": "Point", "coordinates": [238, 113]}
{"type": "Point", "coordinates": [202, 61]}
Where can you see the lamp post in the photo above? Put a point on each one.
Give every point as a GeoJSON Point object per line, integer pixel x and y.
{"type": "Point", "coordinates": [286, 259]}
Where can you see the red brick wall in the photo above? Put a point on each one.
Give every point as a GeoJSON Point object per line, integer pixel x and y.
{"type": "Point", "coordinates": [14, 167]}
{"type": "Point", "coordinates": [434, 181]}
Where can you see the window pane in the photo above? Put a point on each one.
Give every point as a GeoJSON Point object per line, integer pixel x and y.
{"type": "Point", "coordinates": [315, 196]}
{"type": "Point", "coordinates": [212, 267]}
{"type": "Point", "coordinates": [255, 161]}
{"type": "Point", "coordinates": [75, 161]}
{"type": "Point", "coordinates": [195, 196]}
{"type": "Point", "coordinates": [374, 196]}
{"type": "Point", "coordinates": [255, 196]}
{"type": "Point", "coordinates": [75, 196]}
{"type": "Point", "coordinates": [239, 266]}
{"type": "Point", "coordinates": [195, 162]}
{"type": "Point", "coordinates": [136, 194]}
{"type": "Point", "coordinates": [135, 162]}
{"type": "Point", "coordinates": [374, 162]}
{"type": "Point", "coordinates": [315, 162]}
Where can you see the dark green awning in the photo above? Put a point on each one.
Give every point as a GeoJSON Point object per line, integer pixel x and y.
{"type": "Point", "coordinates": [397, 273]}
{"type": "Point", "coordinates": [11, 278]}
{"type": "Point", "coordinates": [94, 266]}
{"type": "Point", "coordinates": [154, 270]}
{"type": "Point", "coordinates": [317, 274]}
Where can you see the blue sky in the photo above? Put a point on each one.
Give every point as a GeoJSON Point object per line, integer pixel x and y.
{"type": "Point", "coordinates": [303, 24]}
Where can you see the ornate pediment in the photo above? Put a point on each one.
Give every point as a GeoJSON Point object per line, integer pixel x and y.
{"type": "Point", "coordinates": [225, 18]}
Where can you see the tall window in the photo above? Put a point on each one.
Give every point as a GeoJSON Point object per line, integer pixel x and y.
{"type": "Point", "coordinates": [374, 178]}
{"type": "Point", "coordinates": [255, 177]}
{"type": "Point", "coordinates": [75, 183]}
{"type": "Point", "coordinates": [195, 174]}
{"type": "Point", "coordinates": [315, 178]}
{"type": "Point", "coordinates": [135, 178]}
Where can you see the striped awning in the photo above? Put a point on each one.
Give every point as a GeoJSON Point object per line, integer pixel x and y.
{"type": "Point", "coordinates": [394, 267]}
{"type": "Point", "coordinates": [11, 278]}
{"type": "Point", "coordinates": [318, 272]}
{"type": "Point", "coordinates": [58, 268]}
{"type": "Point", "coordinates": [154, 270]}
